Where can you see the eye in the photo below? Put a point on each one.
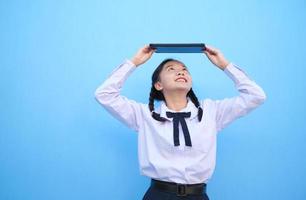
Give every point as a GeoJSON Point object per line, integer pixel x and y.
{"type": "Point", "coordinates": [170, 68]}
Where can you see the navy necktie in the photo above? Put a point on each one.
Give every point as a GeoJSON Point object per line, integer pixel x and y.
{"type": "Point", "coordinates": [179, 117]}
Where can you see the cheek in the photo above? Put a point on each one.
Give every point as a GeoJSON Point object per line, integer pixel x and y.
{"type": "Point", "coordinates": [166, 80]}
{"type": "Point", "coordinates": [190, 80]}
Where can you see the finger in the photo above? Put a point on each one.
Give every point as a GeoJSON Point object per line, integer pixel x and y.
{"type": "Point", "coordinates": [147, 49]}
{"type": "Point", "coordinates": [152, 49]}
{"type": "Point", "coordinates": [208, 52]}
{"type": "Point", "coordinates": [211, 52]}
{"type": "Point", "coordinates": [211, 49]}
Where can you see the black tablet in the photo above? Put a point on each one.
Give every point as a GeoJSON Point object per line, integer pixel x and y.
{"type": "Point", "coordinates": [178, 48]}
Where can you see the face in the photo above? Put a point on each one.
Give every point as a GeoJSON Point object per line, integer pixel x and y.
{"type": "Point", "coordinates": [174, 76]}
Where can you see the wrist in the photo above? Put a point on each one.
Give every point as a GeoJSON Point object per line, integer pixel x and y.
{"type": "Point", "coordinates": [135, 61]}
{"type": "Point", "coordinates": [223, 65]}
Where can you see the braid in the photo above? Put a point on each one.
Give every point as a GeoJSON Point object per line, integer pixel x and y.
{"type": "Point", "coordinates": [151, 100]}
{"type": "Point", "coordinates": [196, 102]}
{"type": "Point", "coordinates": [154, 94]}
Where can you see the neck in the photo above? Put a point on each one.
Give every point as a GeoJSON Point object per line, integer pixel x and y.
{"type": "Point", "coordinates": [176, 101]}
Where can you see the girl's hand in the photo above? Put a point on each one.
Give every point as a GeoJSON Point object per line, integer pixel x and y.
{"type": "Point", "coordinates": [216, 57]}
{"type": "Point", "coordinates": [142, 55]}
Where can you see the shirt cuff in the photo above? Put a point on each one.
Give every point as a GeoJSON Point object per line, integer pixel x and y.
{"type": "Point", "coordinates": [128, 61]}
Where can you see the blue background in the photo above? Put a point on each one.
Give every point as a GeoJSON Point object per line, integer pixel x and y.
{"type": "Point", "coordinates": [57, 142]}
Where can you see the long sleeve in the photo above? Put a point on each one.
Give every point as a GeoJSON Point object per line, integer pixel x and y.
{"type": "Point", "coordinates": [250, 96]}
{"type": "Point", "coordinates": [108, 95]}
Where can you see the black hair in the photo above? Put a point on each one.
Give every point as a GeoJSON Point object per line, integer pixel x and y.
{"type": "Point", "coordinates": [158, 95]}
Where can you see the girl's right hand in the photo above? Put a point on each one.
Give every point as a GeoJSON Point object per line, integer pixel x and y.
{"type": "Point", "coordinates": [142, 55]}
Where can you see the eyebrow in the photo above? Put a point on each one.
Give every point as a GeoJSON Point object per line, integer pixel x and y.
{"type": "Point", "coordinates": [172, 65]}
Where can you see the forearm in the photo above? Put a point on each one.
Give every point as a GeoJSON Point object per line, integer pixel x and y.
{"type": "Point", "coordinates": [108, 95]}
{"type": "Point", "coordinates": [243, 82]}
{"type": "Point", "coordinates": [250, 97]}
{"type": "Point", "coordinates": [113, 84]}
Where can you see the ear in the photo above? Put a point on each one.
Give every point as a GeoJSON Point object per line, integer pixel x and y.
{"type": "Point", "coordinates": [158, 86]}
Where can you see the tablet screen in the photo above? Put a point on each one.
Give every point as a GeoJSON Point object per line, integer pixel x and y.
{"type": "Point", "coordinates": [178, 48]}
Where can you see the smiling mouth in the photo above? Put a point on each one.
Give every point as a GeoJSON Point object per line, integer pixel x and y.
{"type": "Point", "coordinates": [181, 79]}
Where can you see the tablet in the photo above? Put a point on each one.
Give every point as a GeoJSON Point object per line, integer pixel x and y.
{"type": "Point", "coordinates": [178, 48]}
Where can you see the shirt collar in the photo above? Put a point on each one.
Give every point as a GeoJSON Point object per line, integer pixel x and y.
{"type": "Point", "coordinates": [189, 108]}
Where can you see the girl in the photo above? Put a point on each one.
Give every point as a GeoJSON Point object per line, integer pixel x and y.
{"type": "Point", "coordinates": [177, 140]}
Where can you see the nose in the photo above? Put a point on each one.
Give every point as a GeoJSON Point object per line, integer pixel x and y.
{"type": "Point", "coordinates": [180, 73]}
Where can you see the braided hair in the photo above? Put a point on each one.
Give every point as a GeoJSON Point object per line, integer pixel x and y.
{"type": "Point", "coordinates": [158, 95]}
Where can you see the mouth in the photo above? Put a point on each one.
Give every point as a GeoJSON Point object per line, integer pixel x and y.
{"type": "Point", "coordinates": [181, 79]}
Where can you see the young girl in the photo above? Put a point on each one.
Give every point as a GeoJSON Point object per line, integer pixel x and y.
{"type": "Point", "coordinates": [177, 140]}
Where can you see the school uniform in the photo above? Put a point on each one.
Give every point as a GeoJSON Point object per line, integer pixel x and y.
{"type": "Point", "coordinates": [190, 156]}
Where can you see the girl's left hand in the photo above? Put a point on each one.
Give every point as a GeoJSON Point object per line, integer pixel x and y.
{"type": "Point", "coordinates": [216, 57]}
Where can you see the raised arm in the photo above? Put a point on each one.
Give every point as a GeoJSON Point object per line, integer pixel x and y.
{"type": "Point", "coordinates": [250, 95]}
{"type": "Point", "coordinates": [108, 93]}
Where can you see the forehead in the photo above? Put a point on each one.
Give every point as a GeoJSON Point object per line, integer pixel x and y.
{"type": "Point", "coordinates": [174, 63]}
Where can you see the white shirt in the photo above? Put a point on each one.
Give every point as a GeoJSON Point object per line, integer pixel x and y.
{"type": "Point", "coordinates": [158, 157]}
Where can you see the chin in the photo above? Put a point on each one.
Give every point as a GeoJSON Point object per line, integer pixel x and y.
{"type": "Point", "coordinates": [183, 88]}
